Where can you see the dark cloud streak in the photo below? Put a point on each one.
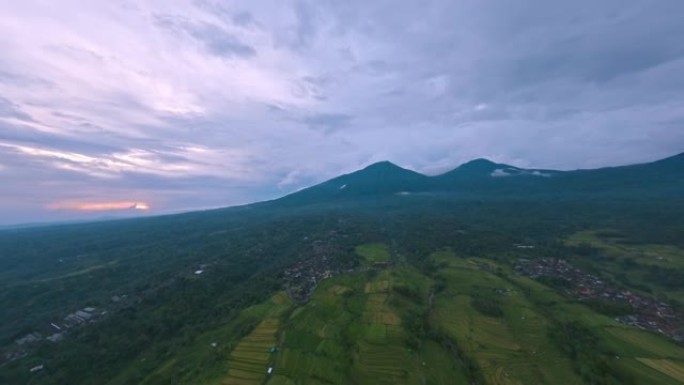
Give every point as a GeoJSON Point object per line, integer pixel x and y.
{"type": "Point", "coordinates": [211, 36]}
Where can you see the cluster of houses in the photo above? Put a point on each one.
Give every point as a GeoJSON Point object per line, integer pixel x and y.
{"type": "Point", "coordinates": [56, 331]}
{"type": "Point", "coordinates": [302, 278]}
{"type": "Point", "coordinates": [657, 317]}
{"type": "Point", "coordinates": [649, 314]}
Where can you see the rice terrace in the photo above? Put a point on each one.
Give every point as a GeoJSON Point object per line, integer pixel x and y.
{"type": "Point", "coordinates": [473, 320]}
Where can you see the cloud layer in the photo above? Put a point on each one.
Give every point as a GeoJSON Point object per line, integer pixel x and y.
{"type": "Point", "coordinates": [205, 103]}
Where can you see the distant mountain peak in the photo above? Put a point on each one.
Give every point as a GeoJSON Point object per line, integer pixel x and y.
{"type": "Point", "coordinates": [478, 168]}
{"type": "Point", "coordinates": [385, 164]}
{"type": "Point", "coordinates": [387, 169]}
{"type": "Point", "coordinates": [478, 161]}
{"type": "Point", "coordinates": [484, 177]}
{"type": "Point", "coordinates": [481, 164]}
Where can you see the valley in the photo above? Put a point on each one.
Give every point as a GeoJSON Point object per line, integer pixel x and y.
{"type": "Point", "coordinates": [466, 278]}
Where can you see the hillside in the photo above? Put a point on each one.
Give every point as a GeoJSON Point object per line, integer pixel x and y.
{"type": "Point", "coordinates": [379, 276]}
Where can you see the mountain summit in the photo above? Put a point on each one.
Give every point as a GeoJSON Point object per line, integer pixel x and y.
{"type": "Point", "coordinates": [377, 179]}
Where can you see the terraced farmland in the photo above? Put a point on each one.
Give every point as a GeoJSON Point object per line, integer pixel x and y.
{"type": "Point", "coordinates": [251, 358]}
{"type": "Point", "coordinates": [382, 355]}
{"type": "Point", "coordinates": [313, 338]}
{"type": "Point", "coordinates": [484, 325]}
{"type": "Point", "coordinates": [513, 349]}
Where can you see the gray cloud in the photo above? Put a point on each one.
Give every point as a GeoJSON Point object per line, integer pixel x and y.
{"type": "Point", "coordinates": [212, 37]}
{"type": "Point", "coordinates": [219, 10]}
{"type": "Point", "coordinates": [328, 122]}
{"type": "Point", "coordinates": [143, 110]}
{"type": "Point", "coordinates": [243, 19]}
{"type": "Point", "coordinates": [11, 110]}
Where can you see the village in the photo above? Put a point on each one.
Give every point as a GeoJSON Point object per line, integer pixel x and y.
{"type": "Point", "coordinates": [302, 278]}
{"type": "Point", "coordinates": [649, 314]}
{"type": "Point", "coordinates": [56, 331]}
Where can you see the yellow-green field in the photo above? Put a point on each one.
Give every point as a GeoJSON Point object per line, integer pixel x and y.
{"type": "Point", "coordinates": [251, 358]}
{"type": "Point", "coordinates": [670, 368]}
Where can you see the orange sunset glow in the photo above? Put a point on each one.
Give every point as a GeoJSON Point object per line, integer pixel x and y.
{"type": "Point", "coordinates": [100, 206]}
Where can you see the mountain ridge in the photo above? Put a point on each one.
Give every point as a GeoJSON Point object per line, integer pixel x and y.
{"type": "Point", "coordinates": [483, 177]}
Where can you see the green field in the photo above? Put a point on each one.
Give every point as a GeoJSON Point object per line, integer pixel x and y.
{"type": "Point", "coordinates": [373, 253]}
{"type": "Point", "coordinates": [234, 353]}
{"type": "Point", "coordinates": [618, 247]}
{"type": "Point", "coordinates": [649, 268]}
{"type": "Point", "coordinates": [353, 331]}
{"type": "Point", "coordinates": [512, 349]}
{"type": "Point", "coordinates": [483, 325]}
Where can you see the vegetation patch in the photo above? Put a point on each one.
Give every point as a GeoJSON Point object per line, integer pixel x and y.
{"type": "Point", "coordinates": [374, 253]}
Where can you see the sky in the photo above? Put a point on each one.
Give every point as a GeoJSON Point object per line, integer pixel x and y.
{"type": "Point", "coordinates": [111, 108]}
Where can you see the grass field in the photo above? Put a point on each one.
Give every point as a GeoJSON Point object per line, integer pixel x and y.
{"type": "Point", "coordinates": [373, 253]}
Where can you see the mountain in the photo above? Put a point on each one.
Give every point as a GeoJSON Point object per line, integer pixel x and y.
{"type": "Point", "coordinates": [378, 179]}
{"type": "Point", "coordinates": [483, 178]}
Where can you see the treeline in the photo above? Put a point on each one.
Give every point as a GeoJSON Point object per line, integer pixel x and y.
{"type": "Point", "coordinates": [486, 301]}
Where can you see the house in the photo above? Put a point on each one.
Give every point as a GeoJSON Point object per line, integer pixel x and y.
{"type": "Point", "coordinates": [270, 370]}
{"type": "Point", "coordinates": [83, 315]}
{"type": "Point", "coordinates": [29, 339]}
{"type": "Point", "coordinates": [56, 337]}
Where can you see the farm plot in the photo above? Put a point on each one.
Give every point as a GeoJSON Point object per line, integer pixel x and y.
{"type": "Point", "coordinates": [252, 357]}
{"type": "Point", "coordinates": [382, 356]}
{"type": "Point", "coordinates": [672, 369]}
{"type": "Point", "coordinates": [313, 348]}
{"type": "Point", "coordinates": [512, 348]}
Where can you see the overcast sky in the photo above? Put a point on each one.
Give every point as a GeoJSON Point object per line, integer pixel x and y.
{"type": "Point", "coordinates": [167, 105]}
